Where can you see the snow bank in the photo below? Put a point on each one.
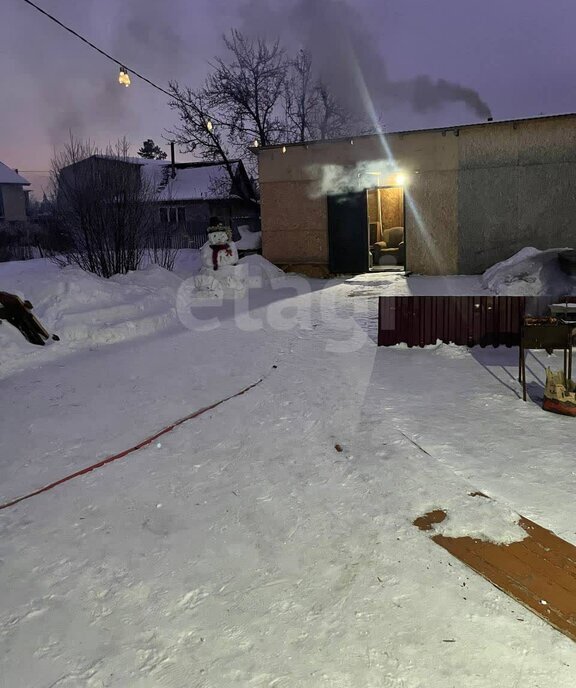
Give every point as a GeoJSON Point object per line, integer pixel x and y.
{"type": "Point", "coordinates": [249, 241]}
{"type": "Point", "coordinates": [188, 262]}
{"type": "Point", "coordinates": [86, 310]}
{"type": "Point", "coordinates": [529, 272]}
{"type": "Point", "coordinates": [262, 271]}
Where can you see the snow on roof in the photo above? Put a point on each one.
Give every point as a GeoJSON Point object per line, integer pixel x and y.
{"type": "Point", "coordinates": [192, 182]}
{"type": "Point", "coordinates": [197, 182]}
{"type": "Point", "coordinates": [8, 176]}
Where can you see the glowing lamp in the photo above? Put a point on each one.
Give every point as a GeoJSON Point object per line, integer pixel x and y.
{"type": "Point", "coordinates": [209, 125]}
{"type": "Point", "coordinates": [283, 149]}
{"type": "Point", "coordinates": [400, 179]}
{"type": "Point", "coordinates": [256, 144]}
{"type": "Point", "coordinates": [124, 77]}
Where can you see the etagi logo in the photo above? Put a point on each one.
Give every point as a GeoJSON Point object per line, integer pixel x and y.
{"type": "Point", "coordinates": [288, 303]}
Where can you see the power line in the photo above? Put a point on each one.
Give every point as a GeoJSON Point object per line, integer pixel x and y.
{"type": "Point", "coordinates": [103, 52]}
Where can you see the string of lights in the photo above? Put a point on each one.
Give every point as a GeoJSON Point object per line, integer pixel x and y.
{"type": "Point", "coordinates": [124, 76]}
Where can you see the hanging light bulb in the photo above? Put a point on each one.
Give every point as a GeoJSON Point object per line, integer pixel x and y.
{"type": "Point", "coordinates": [209, 125]}
{"type": "Point", "coordinates": [124, 77]}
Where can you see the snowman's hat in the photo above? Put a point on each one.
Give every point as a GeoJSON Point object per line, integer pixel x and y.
{"type": "Point", "coordinates": [216, 225]}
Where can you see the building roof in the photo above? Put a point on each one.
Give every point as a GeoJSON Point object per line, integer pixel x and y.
{"type": "Point", "coordinates": [453, 127]}
{"type": "Point", "coordinates": [9, 176]}
{"type": "Point", "coordinates": [197, 181]}
{"type": "Point", "coordinates": [193, 181]}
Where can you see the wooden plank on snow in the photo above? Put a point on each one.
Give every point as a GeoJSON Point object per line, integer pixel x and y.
{"type": "Point", "coordinates": [539, 572]}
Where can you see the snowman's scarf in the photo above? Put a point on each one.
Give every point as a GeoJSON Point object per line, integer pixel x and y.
{"type": "Point", "coordinates": [216, 248]}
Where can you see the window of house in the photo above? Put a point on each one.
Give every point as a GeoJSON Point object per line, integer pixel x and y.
{"type": "Point", "coordinates": [172, 216]}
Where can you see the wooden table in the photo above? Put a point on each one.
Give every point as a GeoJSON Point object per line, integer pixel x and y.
{"type": "Point", "coordinates": [548, 337]}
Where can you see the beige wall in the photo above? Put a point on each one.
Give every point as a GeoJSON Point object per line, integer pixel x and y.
{"type": "Point", "coordinates": [14, 199]}
{"type": "Point", "coordinates": [392, 207]}
{"type": "Point", "coordinates": [475, 195]}
{"type": "Point", "coordinates": [517, 188]}
{"type": "Point", "coordinates": [294, 209]}
{"type": "Point", "coordinates": [294, 225]}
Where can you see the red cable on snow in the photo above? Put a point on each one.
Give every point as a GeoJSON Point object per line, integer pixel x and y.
{"type": "Point", "coordinates": [124, 453]}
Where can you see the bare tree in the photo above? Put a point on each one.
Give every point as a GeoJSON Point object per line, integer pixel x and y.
{"type": "Point", "coordinates": [239, 104]}
{"type": "Point", "coordinates": [246, 89]}
{"type": "Point", "coordinates": [202, 130]}
{"type": "Point", "coordinates": [257, 94]}
{"type": "Point", "coordinates": [301, 98]}
{"type": "Point", "coordinates": [103, 204]}
{"type": "Point", "coordinates": [331, 118]}
{"type": "Point", "coordinates": [312, 111]}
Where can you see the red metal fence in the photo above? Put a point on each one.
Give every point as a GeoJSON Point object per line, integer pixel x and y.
{"type": "Point", "coordinates": [463, 320]}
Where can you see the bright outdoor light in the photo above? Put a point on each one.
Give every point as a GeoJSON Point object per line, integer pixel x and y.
{"type": "Point", "coordinates": [400, 179]}
{"type": "Point", "coordinates": [256, 144]}
{"type": "Point", "coordinates": [209, 125]}
{"type": "Point", "coordinates": [124, 77]}
{"type": "Point", "coordinates": [283, 149]}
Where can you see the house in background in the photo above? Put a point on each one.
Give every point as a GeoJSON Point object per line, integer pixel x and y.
{"type": "Point", "coordinates": [187, 194]}
{"type": "Point", "coordinates": [436, 202]}
{"type": "Point", "coordinates": [13, 196]}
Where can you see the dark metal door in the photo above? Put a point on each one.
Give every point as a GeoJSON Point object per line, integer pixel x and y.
{"type": "Point", "coordinates": [348, 233]}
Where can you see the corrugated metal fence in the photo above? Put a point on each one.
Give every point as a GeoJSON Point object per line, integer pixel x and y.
{"type": "Point", "coordinates": [462, 320]}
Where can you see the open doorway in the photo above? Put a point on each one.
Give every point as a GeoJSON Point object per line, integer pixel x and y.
{"type": "Point", "coordinates": [366, 230]}
{"type": "Point", "coordinates": [386, 228]}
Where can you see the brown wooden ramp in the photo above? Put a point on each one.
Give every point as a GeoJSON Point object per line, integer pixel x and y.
{"type": "Point", "coordinates": [18, 313]}
{"type": "Point", "coordinates": [539, 572]}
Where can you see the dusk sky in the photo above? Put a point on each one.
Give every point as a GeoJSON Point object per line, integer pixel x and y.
{"type": "Point", "coordinates": [518, 55]}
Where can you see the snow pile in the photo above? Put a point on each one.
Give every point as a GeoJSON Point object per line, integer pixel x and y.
{"type": "Point", "coordinates": [85, 310]}
{"type": "Point", "coordinates": [249, 241]}
{"type": "Point", "coordinates": [261, 271]}
{"type": "Point", "coordinates": [480, 518]}
{"type": "Point", "coordinates": [188, 262]}
{"type": "Point", "coordinates": [439, 343]}
{"type": "Point", "coordinates": [529, 272]}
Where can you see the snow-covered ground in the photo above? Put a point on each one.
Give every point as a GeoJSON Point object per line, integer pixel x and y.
{"type": "Point", "coordinates": [243, 549]}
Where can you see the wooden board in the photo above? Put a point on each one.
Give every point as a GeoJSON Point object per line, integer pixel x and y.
{"type": "Point", "coordinates": [539, 572]}
{"type": "Point", "coordinates": [17, 312]}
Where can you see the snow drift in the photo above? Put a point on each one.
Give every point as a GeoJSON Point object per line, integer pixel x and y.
{"type": "Point", "coordinates": [87, 310]}
{"type": "Point", "coordinates": [530, 272]}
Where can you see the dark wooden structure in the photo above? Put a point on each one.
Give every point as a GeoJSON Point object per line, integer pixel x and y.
{"type": "Point", "coordinates": [17, 312]}
{"type": "Point", "coordinates": [462, 320]}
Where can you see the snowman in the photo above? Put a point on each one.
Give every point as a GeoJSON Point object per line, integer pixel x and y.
{"type": "Point", "coordinates": [219, 250]}
{"type": "Point", "coordinates": [220, 275]}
